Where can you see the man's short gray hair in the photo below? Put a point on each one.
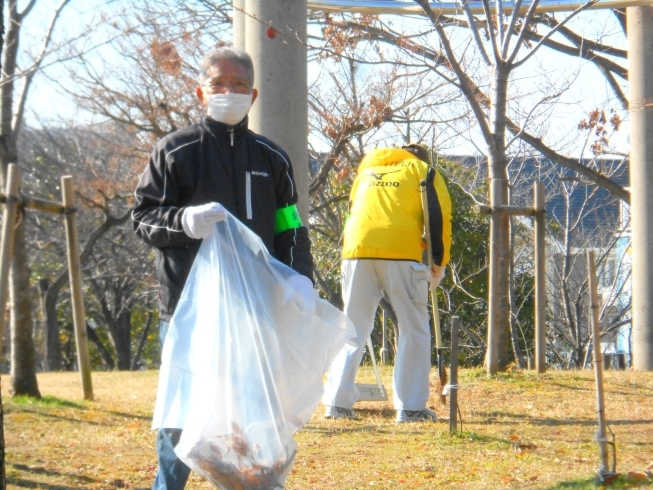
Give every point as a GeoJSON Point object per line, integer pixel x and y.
{"type": "Point", "coordinates": [226, 54]}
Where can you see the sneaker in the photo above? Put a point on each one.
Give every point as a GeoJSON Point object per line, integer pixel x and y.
{"type": "Point", "coordinates": [425, 415]}
{"type": "Point", "coordinates": [332, 412]}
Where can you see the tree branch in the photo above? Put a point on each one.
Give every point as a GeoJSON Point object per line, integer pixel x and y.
{"type": "Point", "coordinates": [549, 34]}
{"type": "Point", "coordinates": [475, 33]}
{"type": "Point", "coordinates": [511, 27]}
{"type": "Point", "coordinates": [466, 84]}
{"type": "Point", "coordinates": [22, 98]}
{"type": "Point", "coordinates": [493, 35]}
{"type": "Point", "coordinates": [616, 88]}
{"type": "Point", "coordinates": [601, 180]}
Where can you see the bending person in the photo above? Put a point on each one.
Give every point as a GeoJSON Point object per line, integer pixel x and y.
{"type": "Point", "coordinates": [382, 251]}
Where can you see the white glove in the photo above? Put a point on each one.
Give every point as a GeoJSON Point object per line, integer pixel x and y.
{"type": "Point", "coordinates": [435, 275]}
{"type": "Point", "coordinates": [198, 221]}
{"type": "Point", "coordinates": [301, 287]}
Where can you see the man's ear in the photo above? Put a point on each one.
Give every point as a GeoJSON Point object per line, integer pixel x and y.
{"type": "Point", "coordinates": [254, 95]}
{"type": "Point", "coordinates": [200, 95]}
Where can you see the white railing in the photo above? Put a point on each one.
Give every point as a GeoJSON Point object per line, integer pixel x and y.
{"type": "Point", "coordinates": [452, 8]}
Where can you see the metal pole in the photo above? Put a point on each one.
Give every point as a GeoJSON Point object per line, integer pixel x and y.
{"type": "Point", "coordinates": [453, 387]}
{"type": "Point", "coordinates": [640, 61]}
{"type": "Point", "coordinates": [276, 41]}
{"type": "Point", "coordinates": [540, 277]}
{"type": "Point", "coordinates": [492, 355]}
{"type": "Point", "coordinates": [8, 231]}
{"type": "Point", "coordinates": [76, 293]}
{"type": "Point", "coordinates": [384, 344]}
{"type": "Point", "coordinates": [601, 433]}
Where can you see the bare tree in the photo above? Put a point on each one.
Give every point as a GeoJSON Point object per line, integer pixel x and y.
{"type": "Point", "coordinates": [23, 375]}
{"type": "Point", "coordinates": [481, 66]}
{"type": "Point", "coordinates": [106, 169]}
{"type": "Point", "coordinates": [584, 221]}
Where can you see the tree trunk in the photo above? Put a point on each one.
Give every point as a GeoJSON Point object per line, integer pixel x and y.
{"type": "Point", "coordinates": [3, 474]}
{"type": "Point", "coordinates": [23, 368]}
{"type": "Point", "coordinates": [498, 163]}
{"type": "Point", "coordinates": [101, 348]}
{"type": "Point", "coordinates": [23, 354]}
{"type": "Point", "coordinates": [580, 357]}
{"type": "Point", "coordinates": [49, 295]}
{"type": "Point", "coordinates": [121, 335]}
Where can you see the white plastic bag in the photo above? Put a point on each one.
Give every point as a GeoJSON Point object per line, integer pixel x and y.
{"type": "Point", "coordinates": [242, 362]}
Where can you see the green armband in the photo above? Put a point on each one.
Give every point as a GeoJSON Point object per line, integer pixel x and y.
{"type": "Point", "coordinates": [286, 219]}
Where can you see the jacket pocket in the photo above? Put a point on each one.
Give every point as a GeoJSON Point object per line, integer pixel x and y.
{"type": "Point", "coordinates": [420, 284]}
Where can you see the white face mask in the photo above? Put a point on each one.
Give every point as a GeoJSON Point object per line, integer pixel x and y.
{"type": "Point", "coordinates": [228, 108]}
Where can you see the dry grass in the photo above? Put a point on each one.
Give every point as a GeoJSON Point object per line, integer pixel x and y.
{"type": "Point", "coordinates": [520, 430]}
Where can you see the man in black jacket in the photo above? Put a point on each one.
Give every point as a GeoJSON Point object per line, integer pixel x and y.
{"type": "Point", "coordinates": [193, 177]}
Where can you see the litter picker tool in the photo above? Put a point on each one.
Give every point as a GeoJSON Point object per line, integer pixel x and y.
{"type": "Point", "coordinates": [442, 372]}
{"type": "Point", "coordinates": [372, 392]}
{"type": "Point", "coordinates": [605, 472]}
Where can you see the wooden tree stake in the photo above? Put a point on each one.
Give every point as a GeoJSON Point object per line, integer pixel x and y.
{"type": "Point", "coordinates": [540, 277]}
{"type": "Point", "coordinates": [75, 272]}
{"type": "Point", "coordinates": [453, 386]}
{"type": "Point", "coordinates": [601, 433]}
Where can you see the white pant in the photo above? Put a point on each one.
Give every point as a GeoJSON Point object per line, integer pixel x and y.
{"type": "Point", "coordinates": [406, 284]}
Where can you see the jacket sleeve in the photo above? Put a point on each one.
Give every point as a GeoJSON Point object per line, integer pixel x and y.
{"type": "Point", "coordinates": [439, 203]}
{"type": "Point", "coordinates": [292, 247]}
{"type": "Point", "coordinates": [156, 217]}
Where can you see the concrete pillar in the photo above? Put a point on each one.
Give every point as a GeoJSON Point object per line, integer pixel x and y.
{"type": "Point", "coordinates": [239, 24]}
{"type": "Point", "coordinates": [276, 41]}
{"type": "Point", "coordinates": [640, 57]}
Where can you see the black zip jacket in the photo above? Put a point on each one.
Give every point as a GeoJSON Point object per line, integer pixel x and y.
{"type": "Point", "coordinates": [211, 162]}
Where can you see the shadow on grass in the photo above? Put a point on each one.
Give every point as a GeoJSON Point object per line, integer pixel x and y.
{"type": "Point", "coordinates": [60, 417]}
{"type": "Point", "coordinates": [46, 401]}
{"type": "Point", "coordinates": [128, 415]}
{"type": "Point", "coordinates": [21, 483]}
{"type": "Point", "coordinates": [577, 484]}
{"type": "Point", "coordinates": [571, 387]}
{"type": "Point", "coordinates": [550, 422]}
{"type": "Point", "coordinates": [25, 483]}
{"type": "Point", "coordinates": [593, 483]}
{"type": "Point", "coordinates": [37, 470]}
{"type": "Point", "coordinates": [335, 428]}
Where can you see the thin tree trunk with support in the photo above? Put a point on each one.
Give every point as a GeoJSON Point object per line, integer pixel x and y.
{"type": "Point", "coordinates": [53, 358]}
{"type": "Point", "coordinates": [23, 352]}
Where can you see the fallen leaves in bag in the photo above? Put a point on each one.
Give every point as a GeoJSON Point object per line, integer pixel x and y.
{"type": "Point", "coordinates": [247, 474]}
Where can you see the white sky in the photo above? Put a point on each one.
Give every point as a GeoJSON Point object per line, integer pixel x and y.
{"type": "Point", "coordinates": [589, 89]}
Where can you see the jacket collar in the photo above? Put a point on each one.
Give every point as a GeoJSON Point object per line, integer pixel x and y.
{"type": "Point", "coordinates": [218, 128]}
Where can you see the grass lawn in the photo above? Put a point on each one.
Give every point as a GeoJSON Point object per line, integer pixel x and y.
{"type": "Point", "coordinates": [519, 431]}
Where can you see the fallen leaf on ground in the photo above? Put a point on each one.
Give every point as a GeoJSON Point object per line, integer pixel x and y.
{"type": "Point", "coordinates": [634, 475]}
